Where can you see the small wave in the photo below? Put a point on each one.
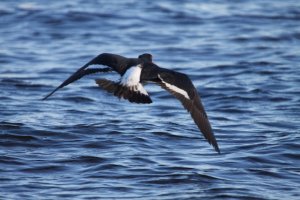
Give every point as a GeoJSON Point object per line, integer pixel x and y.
{"type": "Point", "coordinates": [294, 16]}
{"type": "Point", "coordinates": [168, 135]}
{"type": "Point", "coordinates": [21, 83]}
{"type": "Point", "coordinates": [83, 160]}
{"type": "Point", "coordinates": [242, 57]}
{"type": "Point", "coordinates": [44, 169]}
{"type": "Point", "coordinates": [56, 71]}
{"type": "Point", "coordinates": [21, 139]}
{"type": "Point", "coordinates": [13, 137]}
{"type": "Point", "coordinates": [78, 99]}
{"type": "Point", "coordinates": [266, 172]}
{"type": "Point", "coordinates": [10, 125]}
{"type": "Point", "coordinates": [180, 178]}
{"type": "Point", "coordinates": [9, 160]}
{"type": "Point", "coordinates": [29, 85]}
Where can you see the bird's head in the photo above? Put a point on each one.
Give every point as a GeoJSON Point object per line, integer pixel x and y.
{"type": "Point", "coordinates": [146, 57]}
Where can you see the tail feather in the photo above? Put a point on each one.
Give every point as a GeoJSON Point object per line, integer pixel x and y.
{"type": "Point", "coordinates": [130, 93]}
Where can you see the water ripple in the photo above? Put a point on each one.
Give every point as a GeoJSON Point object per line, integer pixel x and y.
{"type": "Point", "coordinates": [85, 144]}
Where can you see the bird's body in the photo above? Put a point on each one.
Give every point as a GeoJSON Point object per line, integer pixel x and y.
{"type": "Point", "coordinates": [136, 71]}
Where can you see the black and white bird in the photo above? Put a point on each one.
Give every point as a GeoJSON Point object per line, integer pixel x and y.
{"type": "Point", "coordinates": [136, 71]}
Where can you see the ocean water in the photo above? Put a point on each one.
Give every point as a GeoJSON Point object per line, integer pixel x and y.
{"type": "Point", "coordinates": [243, 57]}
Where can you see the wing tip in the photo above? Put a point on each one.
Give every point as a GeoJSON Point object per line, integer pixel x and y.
{"type": "Point", "coordinates": [213, 142]}
{"type": "Point", "coordinates": [216, 147]}
{"type": "Point", "coordinates": [48, 95]}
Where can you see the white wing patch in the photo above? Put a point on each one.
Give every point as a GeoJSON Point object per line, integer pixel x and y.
{"type": "Point", "coordinates": [131, 79]}
{"type": "Point", "coordinates": [175, 88]}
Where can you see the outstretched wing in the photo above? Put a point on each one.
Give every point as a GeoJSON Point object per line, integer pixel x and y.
{"type": "Point", "coordinates": [76, 76]}
{"type": "Point", "coordinates": [114, 62]}
{"type": "Point", "coordinates": [182, 88]}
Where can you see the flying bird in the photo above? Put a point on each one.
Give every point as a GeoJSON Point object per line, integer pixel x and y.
{"type": "Point", "coordinates": [136, 71]}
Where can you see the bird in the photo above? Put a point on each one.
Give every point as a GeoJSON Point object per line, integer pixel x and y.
{"type": "Point", "coordinates": [134, 73]}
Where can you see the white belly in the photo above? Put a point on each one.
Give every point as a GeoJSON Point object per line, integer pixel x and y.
{"type": "Point", "coordinates": [131, 79]}
{"type": "Point", "coordinates": [131, 76]}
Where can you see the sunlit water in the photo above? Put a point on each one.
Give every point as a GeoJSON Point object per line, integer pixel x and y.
{"type": "Point", "coordinates": [243, 57]}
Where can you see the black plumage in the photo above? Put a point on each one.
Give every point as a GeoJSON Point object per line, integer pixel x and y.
{"type": "Point", "coordinates": [130, 87]}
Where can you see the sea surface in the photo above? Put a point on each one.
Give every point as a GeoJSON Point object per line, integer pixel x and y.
{"type": "Point", "coordinates": [82, 143]}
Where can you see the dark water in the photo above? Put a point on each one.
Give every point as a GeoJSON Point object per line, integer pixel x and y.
{"type": "Point", "coordinates": [243, 56]}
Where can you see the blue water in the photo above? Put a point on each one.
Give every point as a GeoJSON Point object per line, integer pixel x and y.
{"type": "Point", "coordinates": [243, 57]}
